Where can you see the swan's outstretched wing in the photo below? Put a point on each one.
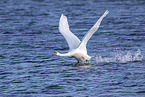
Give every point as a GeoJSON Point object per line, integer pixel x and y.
{"type": "Point", "coordinates": [71, 39]}
{"type": "Point", "coordinates": [88, 35]}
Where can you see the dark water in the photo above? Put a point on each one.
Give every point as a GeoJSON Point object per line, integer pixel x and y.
{"type": "Point", "coordinates": [29, 35]}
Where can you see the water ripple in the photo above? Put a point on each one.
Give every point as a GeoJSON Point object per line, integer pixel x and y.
{"type": "Point", "coordinates": [29, 36]}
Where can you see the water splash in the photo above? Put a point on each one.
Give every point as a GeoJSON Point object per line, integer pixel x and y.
{"type": "Point", "coordinates": [121, 58]}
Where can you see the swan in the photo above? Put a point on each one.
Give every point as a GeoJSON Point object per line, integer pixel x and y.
{"type": "Point", "coordinates": [77, 48]}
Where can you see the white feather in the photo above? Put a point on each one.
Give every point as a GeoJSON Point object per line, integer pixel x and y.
{"type": "Point", "coordinates": [78, 49]}
{"type": "Point", "coordinates": [71, 39]}
{"type": "Point", "coordinates": [89, 34]}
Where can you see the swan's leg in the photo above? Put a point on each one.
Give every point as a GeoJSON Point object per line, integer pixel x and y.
{"type": "Point", "coordinates": [87, 61]}
{"type": "Point", "coordinates": [76, 64]}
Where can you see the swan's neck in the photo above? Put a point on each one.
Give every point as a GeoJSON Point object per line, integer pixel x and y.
{"type": "Point", "coordinates": [66, 54]}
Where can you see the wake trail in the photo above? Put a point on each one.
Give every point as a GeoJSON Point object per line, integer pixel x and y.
{"type": "Point", "coordinates": [121, 58]}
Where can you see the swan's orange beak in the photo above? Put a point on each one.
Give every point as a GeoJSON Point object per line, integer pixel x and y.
{"type": "Point", "coordinates": [54, 53]}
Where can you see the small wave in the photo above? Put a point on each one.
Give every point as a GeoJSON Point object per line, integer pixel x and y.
{"type": "Point", "coordinates": [121, 58]}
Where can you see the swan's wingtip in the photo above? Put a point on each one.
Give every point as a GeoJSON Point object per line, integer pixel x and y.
{"type": "Point", "coordinates": [106, 11]}
{"type": "Point", "coordinates": [63, 16]}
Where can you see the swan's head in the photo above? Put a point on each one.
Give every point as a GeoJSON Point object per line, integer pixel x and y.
{"type": "Point", "coordinates": [55, 53]}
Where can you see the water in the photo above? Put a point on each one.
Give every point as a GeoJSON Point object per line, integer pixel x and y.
{"type": "Point", "coordinates": [29, 35]}
{"type": "Point", "coordinates": [120, 58]}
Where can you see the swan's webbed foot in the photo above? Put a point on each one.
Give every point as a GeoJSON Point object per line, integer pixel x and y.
{"type": "Point", "coordinates": [81, 64]}
{"type": "Point", "coordinates": [76, 64]}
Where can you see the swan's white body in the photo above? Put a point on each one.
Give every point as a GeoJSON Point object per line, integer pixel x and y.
{"type": "Point", "coordinates": [77, 48]}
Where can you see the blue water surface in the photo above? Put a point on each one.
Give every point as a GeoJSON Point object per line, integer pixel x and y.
{"type": "Point", "coordinates": [29, 35]}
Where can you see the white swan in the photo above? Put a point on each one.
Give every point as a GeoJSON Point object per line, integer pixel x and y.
{"type": "Point", "coordinates": [77, 48]}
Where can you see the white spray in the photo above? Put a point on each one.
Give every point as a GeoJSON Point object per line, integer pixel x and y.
{"type": "Point", "coordinates": [120, 58]}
